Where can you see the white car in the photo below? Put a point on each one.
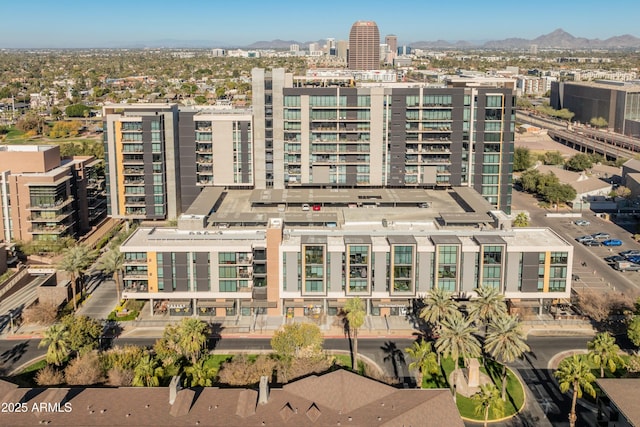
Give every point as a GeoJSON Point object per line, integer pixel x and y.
{"type": "Point", "coordinates": [582, 222]}
{"type": "Point", "coordinates": [305, 207]}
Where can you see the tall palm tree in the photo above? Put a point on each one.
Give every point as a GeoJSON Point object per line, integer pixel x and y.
{"type": "Point", "coordinates": [147, 373]}
{"type": "Point", "coordinates": [488, 306]}
{"type": "Point", "coordinates": [112, 263]}
{"type": "Point", "coordinates": [192, 338]}
{"type": "Point", "coordinates": [505, 342]}
{"type": "Point", "coordinates": [438, 305]}
{"type": "Point", "coordinates": [75, 261]}
{"type": "Point", "coordinates": [604, 352]}
{"type": "Point", "coordinates": [56, 337]}
{"type": "Point", "coordinates": [199, 374]}
{"type": "Point", "coordinates": [488, 400]}
{"type": "Point", "coordinates": [424, 359]}
{"type": "Point", "coordinates": [355, 314]}
{"type": "Point", "coordinates": [456, 339]}
{"type": "Point", "coordinates": [574, 373]}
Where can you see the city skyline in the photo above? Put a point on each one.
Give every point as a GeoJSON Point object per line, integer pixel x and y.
{"type": "Point", "coordinates": [74, 24]}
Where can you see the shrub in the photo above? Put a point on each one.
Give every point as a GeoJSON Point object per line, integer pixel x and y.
{"type": "Point", "coordinates": [42, 313]}
{"type": "Point", "coordinates": [118, 377]}
{"type": "Point", "coordinates": [85, 370]}
{"type": "Point", "coordinates": [242, 371]}
{"type": "Point", "coordinates": [48, 376]}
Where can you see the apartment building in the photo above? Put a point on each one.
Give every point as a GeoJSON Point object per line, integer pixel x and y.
{"type": "Point", "coordinates": [291, 265]}
{"type": "Point", "coordinates": [312, 132]}
{"type": "Point", "coordinates": [43, 198]}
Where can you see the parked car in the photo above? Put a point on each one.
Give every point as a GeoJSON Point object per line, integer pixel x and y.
{"type": "Point", "coordinates": [305, 207]}
{"type": "Point", "coordinates": [627, 266]}
{"type": "Point", "coordinates": [634, 259]}
{"type": "Point", "coordinates": [601, 235]}
{"type": "Point", "coordinates": [582, 222]}
{"type": "Point", "coordinates": [583, 239]}
{"type": "Point", "coordinates": [591, 242]}
{"type": "Point", "coordinates": [614, 259]}
{"type": "Point", "coordinates": [424, 205]}
{"type": "Point", "coordinates": [612, 242]}
{"type": "Point", "coordinates": [630, 252]}
{"type": "Point", "coordinates": [316, 207]}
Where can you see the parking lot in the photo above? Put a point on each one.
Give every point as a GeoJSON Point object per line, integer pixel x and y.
{"type": "Point", "coordinates": [590, 270]}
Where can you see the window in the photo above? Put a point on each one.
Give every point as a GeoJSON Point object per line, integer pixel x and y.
{"type": "Point", "coordinates": [494, 101]}
{"type": "Point", "coordinates": [228, 286]}
{"type": "Point", "coordinates": [291, 101]}
{"type": "Point", "coordinates": [559, 258]}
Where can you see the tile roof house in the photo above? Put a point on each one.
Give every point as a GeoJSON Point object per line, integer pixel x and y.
{"type": "Point", "coordinates": [339, 398]}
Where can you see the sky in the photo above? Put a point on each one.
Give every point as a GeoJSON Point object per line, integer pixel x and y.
{"type": "Point", "coordinates": [229, 23]}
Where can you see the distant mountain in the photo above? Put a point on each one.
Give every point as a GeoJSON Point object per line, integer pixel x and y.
{"type": "Point", "coordinates": [556, 39]}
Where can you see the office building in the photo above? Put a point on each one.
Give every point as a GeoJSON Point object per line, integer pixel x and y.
{"type": "Point", "coordinates": [342, 49]}
{"type": "Point", "coordinates": [364, 46]}
{"type": "Point", "coordinates": [266, 251]}
{"type": "Point", "coordinates": [392, 48]}
{"type": "Point", "coordinates": [617, 102]}
{"type": "Point", "coordinates": [44, 198]}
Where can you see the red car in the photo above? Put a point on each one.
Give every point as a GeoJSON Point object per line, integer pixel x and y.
{"type": "Point", "coordinates": [316, 207]}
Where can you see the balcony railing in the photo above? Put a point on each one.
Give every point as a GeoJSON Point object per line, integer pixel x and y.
{"type": "Point", "coordinates": [58, 204]}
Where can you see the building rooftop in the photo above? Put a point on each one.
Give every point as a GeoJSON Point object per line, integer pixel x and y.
{"type": "Point", "coordinates": [624, 393]}
{"type": "Point", "coordinates": [332, 399]}
{"type": "Point", "coordinates": [26, 148]}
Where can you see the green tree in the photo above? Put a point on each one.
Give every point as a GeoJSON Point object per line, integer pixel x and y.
{"type": "Point", "coordinates": [488, 400]}
{"type": "Point", "coordinates": [56, 339]}
{"type": "Point", "coordinates": [297, 340]}
{"type": "Point", "coordinates": [147, 373]}
{"type": "Point", "coordinates": [76, 110]}
{"type": "Point", "coordinates": [552, 158]}
{"type": "Point", "coordinates": [574, 373]}
{"type": "Point", "coordinates": [521, 220]}
{"type": "Point", "coordinates": [457, 339]}
{"type": "Point", "coordinates": [167, 348]}
{"type": "Point", "coordinates": [579, 162]}
{"type": "Point", "coordinates": [111, 263]}
{"type": "Point", "coordinates": [355, 314]}
{"type": "Point", "coordinates": [192, 338]}
{"type": "Point", "coordinates": [424, 359]}
{"type": "Point", "coordinates": [75, 261]}
{"type": "Point", "coordinates": [488, 306]}
{"type": "Point", "coordinates": [599, 122]}
{"type": "Point", "coordinates": [529, 180]}
{"type": "Point", "coordinates": [633, 331]}
{"type": "Point", "coordinates": [522, 159]}
{"type": "Point", "coordinates": [199, 375]}
{"type": "Point", "coordinates": [505, 342]}
{"type": "Point", "coordinates": [84, 333]}
{"type": "Point", "coordinates": [559, 193]}
{"type": "Point", "coordinates": [604, 352]}
{"type": "Point", "coordinates": [200, 99]}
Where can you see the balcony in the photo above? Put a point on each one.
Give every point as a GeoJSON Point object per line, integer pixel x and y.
{"type": "Point", "coordinates": [57, 218]}
{"type": "Point", "coordinates": [134, 261]}
{"type": "Point", "coordinates": [57, 205]}
{"type": "Point", "coordinates": [51, 229]}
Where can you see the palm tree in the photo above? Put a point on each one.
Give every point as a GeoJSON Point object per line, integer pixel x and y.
{"type": "Point", "coordinates": [505, 342]}
{"type": "Point", "coordinates": [192, 338]}
{"type": "Point", "coordinates": [424, 359]}
{"type": "Point", "coordinates": [457, 339]}
{"type": "Point", "coordinates": [488, 400]}
{"type": "Point", "coordinates": [147, 373]}
{"type": "Point", "coordinates": [355, 314]}
{"type": "Point", "coordinates": [438, 305]}
{"type": "Point", "coordinates": [111, 263]}
{"type": "Point", "coordinates": [488, 306]}
{"type": "Point", "coordinates": [56, 337]}
{"type": "Point", "coordinates": [574, 373]}
{"type": "Point", "coordinates": [604, 352]}
{"type": "Point", "coordinates": [200, 374]}
{"type": "Point", "coordinates": [75, 261]}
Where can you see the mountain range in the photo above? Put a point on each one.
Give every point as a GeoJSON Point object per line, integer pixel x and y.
{"type": "Point", "coordinates": [558, 39]}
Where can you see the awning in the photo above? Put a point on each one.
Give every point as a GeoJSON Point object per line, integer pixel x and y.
{"type": "Point", "coordinates": [179, 303]}
{"type": "Point", "coordinates": [306, 303]}
{"type": "Point", "coordinates": [402, 303]}
{"type": "Point", "coordinates": [209, 303]}
{"type": "Point", "coordinates": [258, 303]}
{"type": "Point", "coordinates": [335, 303]}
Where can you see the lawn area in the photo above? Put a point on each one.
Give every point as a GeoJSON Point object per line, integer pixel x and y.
{"type": "Point", "coordinates": [466, 406]}
{"type": "Point", "coordinates": [216, 360]}
{"type": "Point", "coordinates": [26, 378]}
{"type": "Point", "coordinates": [345, 360]}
